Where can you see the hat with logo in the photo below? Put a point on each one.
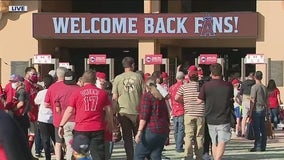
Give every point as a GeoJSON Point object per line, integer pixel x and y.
{"type": "Point", "coordinates": [81, 144]}
{"type": "Point", "coordinates": [16, 78]}
{"type": "Point", "coordinates": [192, 68]}
{"type": "Point", "coordinates": [70, 78]}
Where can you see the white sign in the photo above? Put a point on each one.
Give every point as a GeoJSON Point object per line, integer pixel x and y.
{"type": "Point", "coordinates": [42, 59]}
{"type": "Point", "coordinates": [18, 8]}
{"type": "Point", "coordinates": [64, 64]}
{"type": "Point", "coordinates": [254, 59]}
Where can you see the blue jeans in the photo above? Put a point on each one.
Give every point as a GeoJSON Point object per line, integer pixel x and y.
{"type": "Point", "coordinates": [179, 132]}
{"type": "Point", "coordinates": [150, 145]}
{"type": "Point", "coordinates": [259, 130]}
{"type": "Point", "coordinates": [274, 113]}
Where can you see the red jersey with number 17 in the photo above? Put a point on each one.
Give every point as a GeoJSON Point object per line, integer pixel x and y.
{"type": "Point", "coordinates": [89, 104]}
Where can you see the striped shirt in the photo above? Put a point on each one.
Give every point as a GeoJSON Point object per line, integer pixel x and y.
{"type": "Point", "coordinates": [189, 91]}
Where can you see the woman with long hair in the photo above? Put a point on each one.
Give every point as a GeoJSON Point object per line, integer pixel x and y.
{"type": "Point", "coordinates": [154, 124]}
{"type": "Point", "coordinates": [274, 100]}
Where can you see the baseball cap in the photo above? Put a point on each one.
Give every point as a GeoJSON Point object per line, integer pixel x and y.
{"type": "Point", "coordinates": [70, 78]}
{"type": "Point", "coordinates": [52, 73]}
{"type": "Point", "coordinates": [81, 144]}
{"type": "Point", "coordinates": [192, 68]}
{"type": "Point", "coordinates": [165, 75]}
{"type": "Point", "coordinates": [235, 81]}
{"type": "Point", "coordinates": [16, 78]}
{"type": "Point", "coordinates": [193, 74]}
{"type": "Point", "coordinates": [146, 75]}
{"type": "Point", "coordinates": [101, 75]}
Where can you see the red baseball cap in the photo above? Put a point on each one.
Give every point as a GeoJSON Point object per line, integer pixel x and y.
{"type": "Point", "coordinates": [101, 75]}
{"type": "Point", "coordinates": [235, 81]}
{"type": "Point", "coordinates": [165, 75]}
{"type": "Point", "coordinates": [192, 68]}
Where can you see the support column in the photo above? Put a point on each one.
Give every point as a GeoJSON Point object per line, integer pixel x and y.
{"type": "Point", "coordinates": [148, 47]}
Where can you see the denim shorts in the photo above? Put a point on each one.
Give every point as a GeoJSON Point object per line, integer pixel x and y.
{"type": "Point", "coordinates": [238, 112]}
{"type": "Point", "coordinates": [220, 133]}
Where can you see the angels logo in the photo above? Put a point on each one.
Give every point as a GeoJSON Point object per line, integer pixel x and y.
{"type": "Point", "coordinates": [207, 27]}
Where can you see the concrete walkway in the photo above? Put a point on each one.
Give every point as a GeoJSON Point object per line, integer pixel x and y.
{"type": "Point", "coordinates": [237, 149]}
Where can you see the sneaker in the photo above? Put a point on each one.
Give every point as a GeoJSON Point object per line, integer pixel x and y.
{"type": "Point", "coordinates": [38, 155]}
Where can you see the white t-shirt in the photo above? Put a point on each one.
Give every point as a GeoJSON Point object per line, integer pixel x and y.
{"type": "Point", "coordinates": [44, 113]}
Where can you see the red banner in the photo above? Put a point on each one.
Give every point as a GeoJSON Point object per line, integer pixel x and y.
{"type": "Point", "coordinates": [153, 59]}
{"type": "Point", "coordinates": [97, 59]}
{"type": "Point", "coordinates": [133, 26]}
{"type": "Point", "coordinates": [208, 58]}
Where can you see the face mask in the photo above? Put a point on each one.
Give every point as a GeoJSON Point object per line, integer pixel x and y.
{"type": "Point", "coordinates": [34, 78]}
{"type": "Point", "coordinates": [14, 86]}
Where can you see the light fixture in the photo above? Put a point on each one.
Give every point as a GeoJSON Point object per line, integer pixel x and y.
{"type": "Point", "coordinates": [126, 51]}
{"type": "Point", "coordinates": [235, 49]}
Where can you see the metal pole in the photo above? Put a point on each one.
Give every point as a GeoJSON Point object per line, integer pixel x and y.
{"type": "Point", "coordinates": [86, 64]}
{"type": "Point", "coordinates": [110, 62]}
{"type": "Point", "coordinates": [165, 61]}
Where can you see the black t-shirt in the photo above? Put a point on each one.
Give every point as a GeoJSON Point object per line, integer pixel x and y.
{"type": "Point", "coordinates": [12, 139]}
{"type": "Point", "coordinates": [218, 97]}
{"type": "Point", "coordinates": [246, 86]}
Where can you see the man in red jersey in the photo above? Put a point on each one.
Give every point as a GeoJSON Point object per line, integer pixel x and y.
{"type": "Point", "coordinates": [51, 100]}
{"type": "Point", "coordinates": [62, 100]}
{"type": "Point", "coordinates": [92, 108]}
{"type": "Point", "coordinates": [9, 91]}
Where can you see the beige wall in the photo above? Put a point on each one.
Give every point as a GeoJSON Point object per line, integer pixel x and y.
{"type": "Point", "coordinates": [16, 40]}
{"type": "Point", "coordinates": [270, 41]}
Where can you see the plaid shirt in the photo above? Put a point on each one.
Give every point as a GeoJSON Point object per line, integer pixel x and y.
{"type": "Point", "coordinates": [155, 113]}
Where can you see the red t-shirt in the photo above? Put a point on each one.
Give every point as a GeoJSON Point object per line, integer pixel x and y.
{"type": "Point", "coordinates": [10, 92]}
{"type": "Point", "coordinates": [32, 90]}
{"type": "Point", "coordinates": [63, 97]}
{"type": "Point", "coordinates": [3, 154]}
{"type": "Point", "coordinates": [177, 108]}
{"type": "Point", "coordinates": [89, 104]}
{"type": "Point", "coordinates": [52, 94]}
{"type": "Point", "coordinates": [273, 98]}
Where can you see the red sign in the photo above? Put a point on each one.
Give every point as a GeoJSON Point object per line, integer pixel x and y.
{"type": "Point", "coordinates": [97, 59]}
{"type": "Point", "coordinates": [208, 58]}
{"type": "Point", "coordinates": [133, 26]}
{"type": "Point", "coordinates": [153, 59]}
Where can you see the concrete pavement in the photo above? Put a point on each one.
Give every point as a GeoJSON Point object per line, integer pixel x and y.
{"type": "Point", "coordinates": [237, 149]}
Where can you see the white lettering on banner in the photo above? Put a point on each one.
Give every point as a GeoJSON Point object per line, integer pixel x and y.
{"type": "Point", "coordinates": [197, 24]}
{"type": "Point", "coordinates": [61, 25]}
{"type": "Point", "coordinates": [169, 21]}
{"type": "Point", "coordinates": [118, 26]}
{"type": "Point", "coordinates": [149, 25]}
{"type": "Point", "coordinates": [84, 30]}
{"type": "Point", "coordinates": [219, 24]}
{"type": "Point", "coordinates": [74, 25]}
{"type": "Point", "coordinates": [162, 27]}
{"type": "Point", "coordinates": [180, 25]}
{"type": "Point", "coordinates": [93, 27]}
{"type": "Point", "coordinates": [107, 25]}
{"type": "Point", "coordinates": [132, 26]}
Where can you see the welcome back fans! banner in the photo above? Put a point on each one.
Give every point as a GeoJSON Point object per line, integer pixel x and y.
{"type": "Point", "coordinates": [96, 26]}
